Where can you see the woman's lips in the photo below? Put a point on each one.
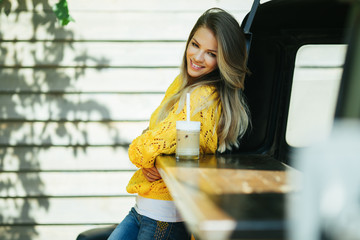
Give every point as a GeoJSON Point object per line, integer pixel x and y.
{"type": "Point", "coordinates": [194, 66]}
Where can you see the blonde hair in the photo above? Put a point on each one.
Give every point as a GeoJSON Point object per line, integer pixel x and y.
{"type": "Point", "coordinates": [228, 78]}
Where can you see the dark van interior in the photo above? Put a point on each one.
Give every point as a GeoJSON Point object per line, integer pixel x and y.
{"type": "Point", "coordinates": [279, 29]}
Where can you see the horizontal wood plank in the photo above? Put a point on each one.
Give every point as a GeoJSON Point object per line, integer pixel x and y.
{"type": "Point", "coordinates": [99, 210]}
{"type": "Point", "coordinates": [92, 54]}
{"type": "Point", "coordinates": [71, 159]}
{"type": "Point", "coordinates": [78, 107]}
{"type": "Point", "coordinates": [64, 184]}
{"type": "Point", "coordinates": [86, 79]}
{"type": "Point", "coordinates": [124, 5]}
{"type": "Point", "coordinates": [45, 232]}
{"type": "Point", "coordinates": [128, 25]}
{"type": "Point", "coordinates": [69, 133]}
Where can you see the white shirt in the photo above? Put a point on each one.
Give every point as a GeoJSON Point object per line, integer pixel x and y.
{"type": "Point", "coordinates": [159, 210]}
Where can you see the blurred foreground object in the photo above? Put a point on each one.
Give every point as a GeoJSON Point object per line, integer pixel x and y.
{"type": "Point", "coordinates": [328, 206]}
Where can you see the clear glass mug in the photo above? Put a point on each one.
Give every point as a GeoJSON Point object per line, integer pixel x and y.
{"type": "Point", "coordinates": [187, 140]}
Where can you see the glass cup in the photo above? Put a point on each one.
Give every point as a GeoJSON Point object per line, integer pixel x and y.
{"type": "Point", "coordinates": [187, 140]}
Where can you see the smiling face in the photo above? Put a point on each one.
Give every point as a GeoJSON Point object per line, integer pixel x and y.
{"type": "Point", "coordinates": [201, 53]}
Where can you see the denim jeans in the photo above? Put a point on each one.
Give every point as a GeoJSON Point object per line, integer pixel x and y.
{"type": "Point", "coordinates": [135, 226]}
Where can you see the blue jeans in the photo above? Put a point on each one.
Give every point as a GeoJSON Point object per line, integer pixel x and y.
{"type": "Point", "coordinates": [135, 226]}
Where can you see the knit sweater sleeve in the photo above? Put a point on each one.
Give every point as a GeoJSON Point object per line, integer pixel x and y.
{"type": "Point", "coordinates": [162, 138]}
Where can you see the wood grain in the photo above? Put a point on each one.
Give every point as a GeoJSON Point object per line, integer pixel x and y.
{"type": "Point", "coordinates": [85, 80]}
{"type": "Point", "coordinates": [62, 159]}
{"type": "Point", "coordinates": [79, 107]}
{"type": "Point", "coordinates": [70, 210]}
{"type": "Point", "coordinates": [70, 133]}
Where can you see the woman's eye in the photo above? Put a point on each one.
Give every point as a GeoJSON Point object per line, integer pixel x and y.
{"type": "Point", "coordinates": [195, 45]}
{"type": "Point", "coordinates": [212, 54]}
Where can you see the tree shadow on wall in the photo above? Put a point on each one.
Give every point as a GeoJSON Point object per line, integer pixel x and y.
{"type": "Point", "coordinates": [34, 109]}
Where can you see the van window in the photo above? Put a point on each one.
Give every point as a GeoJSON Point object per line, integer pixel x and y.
{"type": "Point", "coordinates": [316, 82]}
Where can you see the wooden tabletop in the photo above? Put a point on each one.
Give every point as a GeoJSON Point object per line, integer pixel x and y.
{"type": "Point", "coordinates": [229, 196]}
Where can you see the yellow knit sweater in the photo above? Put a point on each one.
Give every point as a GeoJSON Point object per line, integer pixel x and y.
{"type": "Point", "coordinates": [161, 138]}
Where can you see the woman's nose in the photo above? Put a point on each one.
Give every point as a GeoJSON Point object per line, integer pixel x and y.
{"type": "Point", "coordinates": [199, 56]}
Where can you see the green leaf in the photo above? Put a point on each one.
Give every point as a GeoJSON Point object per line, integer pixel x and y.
{"type": "Point", "coordinates": [61, 11]}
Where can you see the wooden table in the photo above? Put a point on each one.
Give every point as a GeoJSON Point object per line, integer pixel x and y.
{"type": "Point", "coordinates": [229, 196]}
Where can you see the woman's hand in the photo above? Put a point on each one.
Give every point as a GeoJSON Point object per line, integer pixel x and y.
{"type": "Point", "coordinates": [151, 174]}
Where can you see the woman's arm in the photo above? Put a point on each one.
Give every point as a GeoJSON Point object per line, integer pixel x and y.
{"type": "Point", "coordinates": [162, 139]}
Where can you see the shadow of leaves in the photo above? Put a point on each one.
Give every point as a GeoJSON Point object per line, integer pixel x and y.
{"type": "Point", "coordinates": [26, 68]}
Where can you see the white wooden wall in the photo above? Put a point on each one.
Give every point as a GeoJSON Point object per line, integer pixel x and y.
{"type": "Point", "coordinates": [72, 99]}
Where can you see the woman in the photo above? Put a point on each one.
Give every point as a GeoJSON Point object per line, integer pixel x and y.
{"type": "Point", "coordinates": [213, 71]}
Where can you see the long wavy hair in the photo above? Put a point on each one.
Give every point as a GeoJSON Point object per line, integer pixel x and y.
{"type": "Point", "coordinates": [228, 78]}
